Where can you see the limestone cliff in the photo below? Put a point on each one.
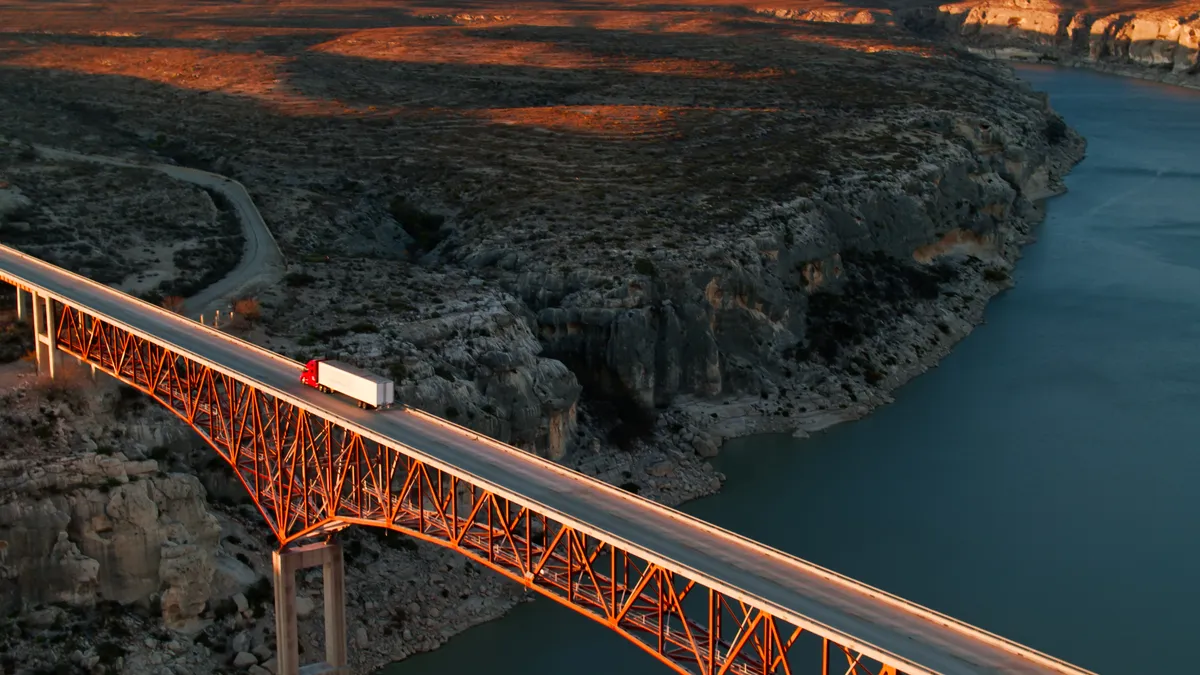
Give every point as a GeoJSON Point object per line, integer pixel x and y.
{"type": "Point", "coordinates": [106, 528]}
{"type": "Point", "coordinates": [744, 313]}
{"type": "Point", "coordinates": [1160, 43]}
{"type": "Point", "coordinates": [454, 346]}
{"type": "Point", "coordinates": [81, 522]}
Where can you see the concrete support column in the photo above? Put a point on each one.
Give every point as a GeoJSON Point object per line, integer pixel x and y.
{"type": "Point", "coordinates": [51, 335]}
{"type": "Point", "coordinates": [335, 609]}
{"type": "Point", "coordinates": [20, 304]}
{"type": "Point", "coordinates": [43, 328]}
{"type": "Point", "coordinates": [37, 332]}
{"type": "Point", "coordinates": [287, 642]}
{"type": "Point", "coordinates": [327, 555]}
{"type": "Point", "coordinates": [43, 334]}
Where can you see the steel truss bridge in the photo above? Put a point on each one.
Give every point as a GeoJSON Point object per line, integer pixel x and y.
{"type": "Point", "coordinates": [702, 600]}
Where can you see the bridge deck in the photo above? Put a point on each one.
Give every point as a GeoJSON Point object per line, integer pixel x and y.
{"type": "Point", "coordinates": [899, 633]}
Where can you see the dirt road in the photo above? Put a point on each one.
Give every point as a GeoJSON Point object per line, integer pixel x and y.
{"type": "Point", "coordinates": [262, 261]}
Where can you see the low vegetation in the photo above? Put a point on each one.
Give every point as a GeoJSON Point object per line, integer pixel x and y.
{"type": "Point", "coordinates": [148, 234]}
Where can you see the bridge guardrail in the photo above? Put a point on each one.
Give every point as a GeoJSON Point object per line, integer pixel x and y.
{"type": "Point", "coordinates": [575, 476]}
{"type": "Point", "coordinates": [823, 572]}
{"type": "Point", "coordinates": [161, 311]}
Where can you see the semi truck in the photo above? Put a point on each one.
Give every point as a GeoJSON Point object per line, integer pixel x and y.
{"type": "Point", "coordinates": [368, 389]}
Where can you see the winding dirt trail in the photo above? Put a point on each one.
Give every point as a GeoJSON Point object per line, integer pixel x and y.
{"type": "Point", "coordinates": [262, 261]}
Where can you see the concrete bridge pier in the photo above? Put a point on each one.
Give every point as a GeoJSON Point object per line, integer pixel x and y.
{"type": "Point", "coordinates": [45, 347]}
{"type": "Point", "coordinates": [327, 555]}
{"type": "Point", "coordinates": [21, 313]}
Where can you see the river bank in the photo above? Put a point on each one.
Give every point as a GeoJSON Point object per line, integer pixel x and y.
{"type": "Point", "coordinates": [1035, 459]}
{"type": "Point", "coordinates": [1048, 455]}
{"type": "Point", "coordinates": [937, 326]}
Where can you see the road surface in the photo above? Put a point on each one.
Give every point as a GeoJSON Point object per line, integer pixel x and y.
{"type": "Point", "coordinates": [261, 259]}
{"type": "Point", "coordinates": [902, 634]}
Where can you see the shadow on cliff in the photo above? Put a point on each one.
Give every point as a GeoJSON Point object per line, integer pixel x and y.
{"type": "Point", "coordinates": [614, 404]}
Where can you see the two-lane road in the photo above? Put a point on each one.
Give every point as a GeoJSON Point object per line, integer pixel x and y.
{"type": "Point", "coordinates": [902, 634]}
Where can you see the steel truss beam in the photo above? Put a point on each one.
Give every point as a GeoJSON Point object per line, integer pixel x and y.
{"type": "Point", "coordinates": [309, 476]}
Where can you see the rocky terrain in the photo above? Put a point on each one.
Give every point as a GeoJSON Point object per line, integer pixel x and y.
{"type": "Point", "coordinates": [114, 557]}
{"type": "Point", "coordinates": [613, 236]}
{"type": "Point", "coordinates": [1156, 41]}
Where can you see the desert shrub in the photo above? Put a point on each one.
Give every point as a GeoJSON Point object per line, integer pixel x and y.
{"type": "Point", "coordinates": [16, 340]}
{"type": "Point", "coordinates": [248, 308]}
{"type": "Point", "coordinates": [173, 303]}
{"type": "Point", "coordinates": [398, 370]}
{"type": "Point", "coordinates": [995, 274]}
{"type": "Point", "coordinates": [109, 652]}
{"type": "Point", "coordinates": [260, 592]}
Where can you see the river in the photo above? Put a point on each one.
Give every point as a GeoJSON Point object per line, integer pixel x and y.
{"type": "Point", "coordinates": [1041, 483]}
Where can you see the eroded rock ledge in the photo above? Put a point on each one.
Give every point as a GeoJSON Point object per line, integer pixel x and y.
{"type": "Point", "coordinates": [1158, 44]}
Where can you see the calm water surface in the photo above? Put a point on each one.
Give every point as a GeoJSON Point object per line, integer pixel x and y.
{"type": "Point", "coordinates": [1042, 483]}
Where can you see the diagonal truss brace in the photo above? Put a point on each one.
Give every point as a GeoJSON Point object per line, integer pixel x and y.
{"type": "Point", "coordinates": [309, 476]}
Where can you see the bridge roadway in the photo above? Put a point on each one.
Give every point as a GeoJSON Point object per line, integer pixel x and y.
{"type": "Point", "coordinates": [907, 636]}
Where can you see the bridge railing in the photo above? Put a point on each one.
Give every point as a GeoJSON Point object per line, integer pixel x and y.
{"type": "Point", "coordinates": [311, 472]}
{"type": "Point", "coordinates": [308, 475]}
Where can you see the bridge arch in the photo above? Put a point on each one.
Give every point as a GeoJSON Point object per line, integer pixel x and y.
{"type": "Point", "coordinates": [722, 603]}
{"type": "Point", "coordinates": [310, 476]}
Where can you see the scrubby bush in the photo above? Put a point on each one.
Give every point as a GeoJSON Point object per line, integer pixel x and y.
{"type": "Point", "coordinates": [248, 309]}
{"type": "Point", "coordinates": [298, 279]}
{"type": "Point", "coordinates": [173, 303]}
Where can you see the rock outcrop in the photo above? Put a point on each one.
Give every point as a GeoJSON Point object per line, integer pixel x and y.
{"type": "Point", "coordinates": [456, 347]}
{"type": "Point", "coordinates": [733, 317]}
{"type": "Point", "coordinates": [83, 523]}
{"type": "Point", "coordinates": [1160, 44]}
{"type": "Point", "coordinates": [117, 531]}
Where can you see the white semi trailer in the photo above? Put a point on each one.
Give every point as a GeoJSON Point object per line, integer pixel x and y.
{"type": "Point", "coordinates": [370, 390]}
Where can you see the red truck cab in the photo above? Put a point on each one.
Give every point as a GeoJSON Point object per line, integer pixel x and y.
{"type": "Point", "coordinates": [309, 376]}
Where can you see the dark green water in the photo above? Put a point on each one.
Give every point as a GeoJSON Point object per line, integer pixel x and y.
{"type": "Point", "coordinates": [1043, 482]}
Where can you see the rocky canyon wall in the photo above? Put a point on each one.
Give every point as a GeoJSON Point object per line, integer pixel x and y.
{"type": "Point", "coordinates": [736, 317]}
{"type": "Point", "coordinates": [1152, 43]}
{"type": "Point", "coordinates": [87, 513]}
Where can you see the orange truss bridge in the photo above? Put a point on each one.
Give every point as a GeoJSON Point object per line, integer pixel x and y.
{"type": "Point", "coordinates": [700, 599]}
